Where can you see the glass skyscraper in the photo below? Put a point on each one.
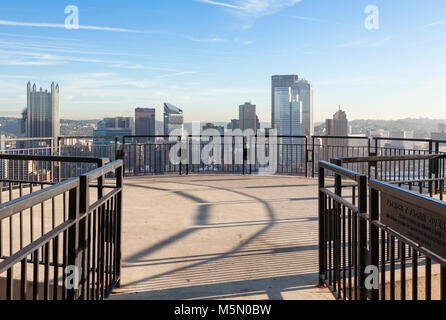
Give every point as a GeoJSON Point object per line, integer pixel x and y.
{"type": "Point", "coordinates": [173, 119]}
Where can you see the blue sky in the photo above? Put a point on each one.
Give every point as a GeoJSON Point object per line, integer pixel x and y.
{"type": "Point", "coordinates": [210, 56]}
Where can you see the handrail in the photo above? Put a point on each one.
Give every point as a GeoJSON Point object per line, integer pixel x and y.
{"type": "Point", "coordinates": [26, 157]}
{"type": "Point", "coordinates": [101, 171]}
{"type": "Point", "coordinates": [409, 139]}
{"type": "Point", "coordinates": [341, 171]}
{"type": "Point", "coordinates": [9, 208]}
{"type": "Point", "coordinates": [393, 158]}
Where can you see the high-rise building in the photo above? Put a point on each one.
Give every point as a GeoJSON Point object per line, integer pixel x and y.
{"type": "Point", "coordinates": [41, 117]}
{"type": "Point", "coordinates": [304, 90]}
{"type": "Point", "coordinates": [234, 124]}
{"type": "Point", "coordinates": [2, 142]}
{"type": "Point", "coordinates": [116, 123]}
{"type": "Point", "coordinates": [248, 117]}
{"type": "Point", "coordinates": [145, 122]}
{"type": "Point", "coordinates": [288, 122]}
{"type": "Point", "coordinates": [173, 119]}
{"type": "Point", "coordinates": [107, 129]}
{"type": "Point", "coordinates": [220, 129]}
{"type": "Point", "coordinates": [279, 81]}
{"type": "Point", "coordinates": [338, 126]}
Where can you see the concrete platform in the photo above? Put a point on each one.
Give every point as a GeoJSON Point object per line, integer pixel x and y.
{"type": "Point", "coordinates": [220, 237]}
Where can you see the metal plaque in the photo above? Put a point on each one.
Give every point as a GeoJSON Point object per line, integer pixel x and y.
{"type": "Point", "coordinates": [421, 225]}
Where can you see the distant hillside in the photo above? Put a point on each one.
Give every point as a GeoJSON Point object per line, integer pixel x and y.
{"type": "Point", "coordinates": [9, 126]}
{"type": "Point", "coordinates": [421, 127]}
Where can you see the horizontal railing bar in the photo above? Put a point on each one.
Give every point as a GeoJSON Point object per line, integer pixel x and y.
{"type": "Point", "coordinates": [410, 139]}
{"type": "Point", "coordinates": [393, 158]}
{"type": "Point", "coordinates": [409, 242]}
{"type": "Point", "coordinates": [83, 159]}
{"type": "Point", "coordinates": [36, 244]}
{"type": "Point", "coordinates": [101, 171]}
{"type": "Point", "coordinates": [103, 199]}
{"type": "Point", "coordinates": [416, 181]}
{"type": "Point", "coordinates": [339, 199]}
{"type": "Point", "coordinates": [26, 181]}
{"type": "Point", "coordinates": [28, 139]}
{"type": "Point", "coordinates": [25, 202]}
{"type": "Point", "coordinates": [341, 137]}
{"type": "Point", "coordinates": [341, 171]}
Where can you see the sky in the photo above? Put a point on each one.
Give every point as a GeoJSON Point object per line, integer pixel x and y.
{"type": "Point", "coordinates": [208, 57]}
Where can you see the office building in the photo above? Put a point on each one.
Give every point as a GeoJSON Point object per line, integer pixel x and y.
{"type": "Point", "coordinates": [338, 126]}
{"type": "Point", "coordinates": [173, 120]}
{"type": "Point", "coordinates": [304, 91]}
{"type": "Point", "coordinates": [234, 124]}
{"type": "Point", "coordinates": [145, 122]}
{"type": "Point", "coordinates": [220, 129]}
{"type": "Point", "coordinates": [41, 116]}
{"type": "Point", "coordinates": [248, 117]}
{"type": "Point", "coordinates": [279, 81]}
{"type": "Point", "coordinates": [117, 123]}
{"type": "Point", "coordinates": [288, 122]}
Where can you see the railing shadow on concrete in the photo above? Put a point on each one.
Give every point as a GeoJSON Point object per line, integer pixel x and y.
{"type": "Point", "coordinates": [60, 236]}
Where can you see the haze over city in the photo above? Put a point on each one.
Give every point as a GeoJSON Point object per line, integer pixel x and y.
{"type": "Point", "coordinates": [209, 57]}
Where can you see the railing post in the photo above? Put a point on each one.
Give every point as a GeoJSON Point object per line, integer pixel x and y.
{"type": "Point", "coordinates": [337, 228]}
{"type": "Point", "coordinates": [322, 210]}
{"type": "Point", "coordinates": [181, 147]}
{"type": "Point", "coordinates": [312, 157]}
{"type": "Point", "coordinates": [362, 235]}
{"type": "Point", "coordinates": [431, 168]}
{"type": "Point", "coordinates": [119, 178]}
{"type": "Point", "coordinates": [84, 201]}
{"type": "Point", "coordinates": [73, 240]}
{"type": "Point", "coordinates": [374, 235]}
{"type": "Point", "coordinates": [244, 154]}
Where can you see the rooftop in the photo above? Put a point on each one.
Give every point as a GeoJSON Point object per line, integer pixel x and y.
{"type": "Point", "coordinates": [220, 236]}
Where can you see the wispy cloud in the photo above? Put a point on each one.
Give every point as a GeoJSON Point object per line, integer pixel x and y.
{"type": "Point", "coordinates": [366, 43]}
{"type": "Point", "coordinates": [310, 19]}
{"type": "Point", "coordinates": [109, 29]}
{"type": "Point", "coordinates": [221, 4]}
{"type": "Point", "coordinates": [436, 23]}
{"type": "Point", "coordinates": [207, 40]}
{"type": "Point", "coordinates": [81, 27]}
{"type": "Point", "coordinates": [252, 9]}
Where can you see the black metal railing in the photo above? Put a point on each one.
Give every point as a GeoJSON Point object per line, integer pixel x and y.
{"type": "Point", "coordinates": [342, 231]}
{"type": "Point", "coordinates": [401, 243]}
{"type": "Point", "coordinates": [63, 241]}
{"type": "Point", "coordinates": [399, 167]}
{"type": "Point", "coordinates": [147, 155]}
{"type": "Point", "coordinates": [354, 235]}
{"type": "Point", "coordinates": [297, 155]}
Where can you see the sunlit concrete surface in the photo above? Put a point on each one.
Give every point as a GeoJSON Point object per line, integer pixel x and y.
{"type": "Point", "coordinates": [220, 237]}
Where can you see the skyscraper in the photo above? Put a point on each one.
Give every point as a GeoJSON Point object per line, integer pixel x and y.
{"type": "Point", "coordinates": [288, 121]}
{"type": "Point", "coordinates": [234, 124]}
{"type": "Point", "coordinates": [279, 81]}
{"type": "Point", "coordinates": [173, 119]}
{"type": "Point", "coordinates": [304, 90]}
{"type": "Point", "coordinates": [248, 117]}
{"type": "Point", "coordinates": [338, 126]}
{"type": "Point", "coordinates": [117, 123]}
{"type": "Point", "coordinates": [145, 122]}
{"type": "Point", "coordinates": [41, 117]}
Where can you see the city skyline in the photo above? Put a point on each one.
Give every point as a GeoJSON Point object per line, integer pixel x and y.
{"type": "Point", "coordinates": [114, 63]}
